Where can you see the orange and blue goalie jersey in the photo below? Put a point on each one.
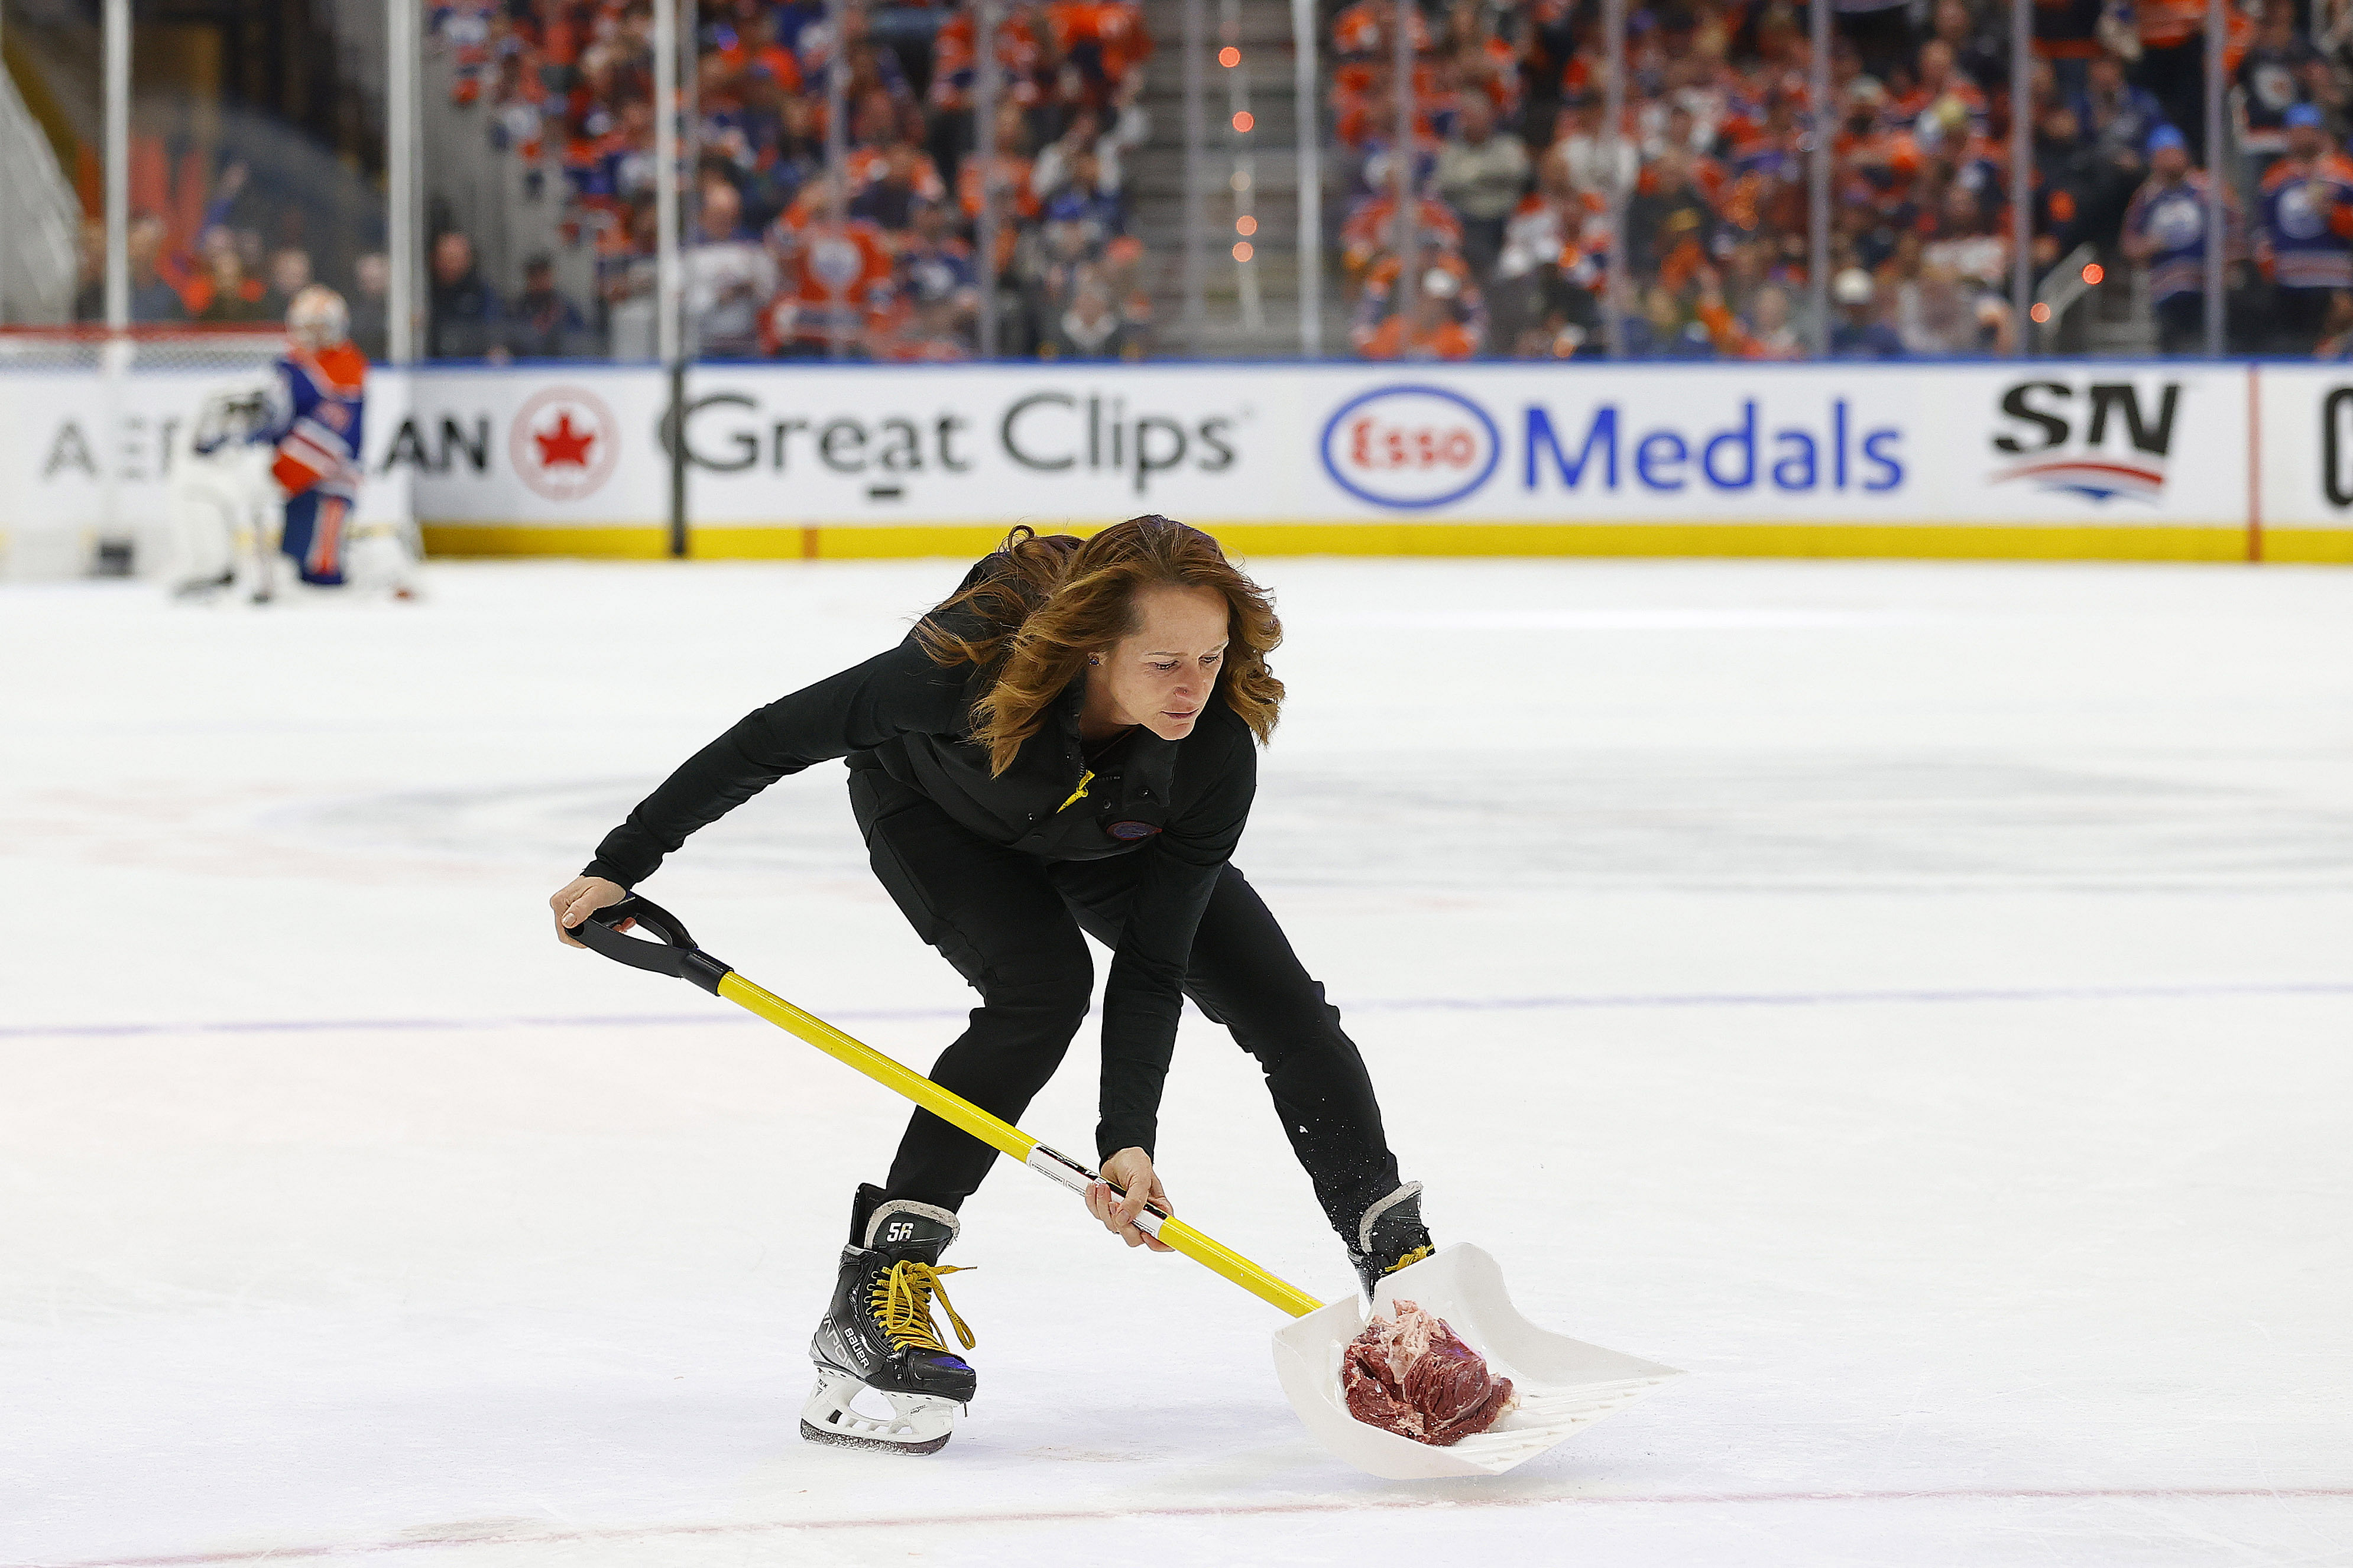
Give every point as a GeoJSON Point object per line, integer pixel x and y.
{"type": "Point", "coordinates": [315, 410]}
{"type": "Point", "coordinates": [314, 420]}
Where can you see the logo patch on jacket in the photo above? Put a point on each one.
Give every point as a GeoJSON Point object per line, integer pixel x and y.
{"type": "Point", "coordinates": [1129, 832]}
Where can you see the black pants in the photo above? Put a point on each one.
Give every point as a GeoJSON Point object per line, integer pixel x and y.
{"type": "Point", "coordinates": [1010, 923]}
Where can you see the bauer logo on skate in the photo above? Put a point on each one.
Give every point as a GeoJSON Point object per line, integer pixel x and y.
{"type": "Point", "coordinates": [564, 443]}
{"type": "Point", "coordinates": [1410, 446]}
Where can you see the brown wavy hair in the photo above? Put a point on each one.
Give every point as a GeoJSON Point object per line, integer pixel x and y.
{"type": "Point", "coordinates": [1041, 603]}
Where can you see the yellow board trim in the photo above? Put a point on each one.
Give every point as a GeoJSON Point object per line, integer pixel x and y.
{"type": "Point", "coordinates": [1947, 541]}
{"type": "Point", "coordinates": [610, 541]}
{"type": "Point", "coordinates": [2309, 546]}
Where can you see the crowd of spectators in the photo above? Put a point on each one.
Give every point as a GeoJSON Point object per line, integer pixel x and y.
{"type": "Point", "coordinates": [204, 261]}
{"type": "Point", "coordinates": [782, 258]}
{"type": "Point", "coordinates": [1508, 175]}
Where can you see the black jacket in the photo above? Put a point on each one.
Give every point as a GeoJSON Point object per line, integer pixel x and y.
{"type": "Point", "coordinates": [1181, 805]}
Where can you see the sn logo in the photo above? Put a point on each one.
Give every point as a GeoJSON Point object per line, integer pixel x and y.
{"type": "Point", "coordinates": [899, 1230]}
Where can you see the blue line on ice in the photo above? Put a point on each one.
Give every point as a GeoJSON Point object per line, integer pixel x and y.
{"type": "Point", "coordinates": [1389, 1004]}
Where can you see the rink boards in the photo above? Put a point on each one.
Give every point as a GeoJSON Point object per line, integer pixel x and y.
{"type": "Point", "coordinates": [2059, 460]}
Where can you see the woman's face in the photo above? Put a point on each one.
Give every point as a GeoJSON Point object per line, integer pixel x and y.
{"type": "Point", "coordinates": [1160, 675]}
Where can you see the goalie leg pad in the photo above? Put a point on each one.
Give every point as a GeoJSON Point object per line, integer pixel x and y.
{"type": "Point", "coordinates": [314, 537]}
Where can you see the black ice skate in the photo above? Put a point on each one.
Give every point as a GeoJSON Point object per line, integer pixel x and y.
{"type": "Point", "coordinates": [1390, 1236]}
{"type": "Point", "coordinates": [878, 1337]}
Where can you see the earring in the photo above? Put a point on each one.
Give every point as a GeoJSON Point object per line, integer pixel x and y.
{"type": "Point", "coordinates": [1094, 659]}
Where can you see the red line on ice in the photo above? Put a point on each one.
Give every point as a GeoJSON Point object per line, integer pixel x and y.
{"type": "Point", "coordinates": [1204, 1510]}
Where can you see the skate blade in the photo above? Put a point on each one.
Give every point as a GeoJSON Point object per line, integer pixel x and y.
{"type": "Point", "coordinates": [843, 1440]}
{"type": "Point", "coordinates": [918, 1423]}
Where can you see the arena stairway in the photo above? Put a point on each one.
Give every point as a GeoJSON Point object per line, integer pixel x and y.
{"type": "Point", "coordinates": [1155, 185]}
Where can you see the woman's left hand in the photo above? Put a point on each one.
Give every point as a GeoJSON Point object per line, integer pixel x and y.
{"type": "Point", "coordinates": [1131, 1169]}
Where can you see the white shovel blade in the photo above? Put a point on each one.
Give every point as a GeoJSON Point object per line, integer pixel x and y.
{"type": "Point", "coordinates": [1562, 1385]}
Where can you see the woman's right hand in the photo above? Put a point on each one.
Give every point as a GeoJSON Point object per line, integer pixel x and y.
{"type": "Point", "coordinates": [1131, 1169]}
{"type": "Point", "coordinates": [580, 898]}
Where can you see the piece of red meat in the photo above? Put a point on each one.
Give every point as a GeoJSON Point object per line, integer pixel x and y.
{"type": "Point", "coordinates": [1413, 1375]}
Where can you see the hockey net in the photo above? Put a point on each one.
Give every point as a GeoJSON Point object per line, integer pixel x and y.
{"type": "Point", "coordinates": [95, 418]}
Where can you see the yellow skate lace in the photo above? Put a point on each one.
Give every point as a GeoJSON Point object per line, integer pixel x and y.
{"type": "Point", "coordinates": [1416, 1255]}
{"type": "Point", "coordinates": [903, 1301]}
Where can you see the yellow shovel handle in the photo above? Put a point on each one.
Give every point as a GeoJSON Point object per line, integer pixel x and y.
{"type": "Point", "coordinates": [1006, 1139]}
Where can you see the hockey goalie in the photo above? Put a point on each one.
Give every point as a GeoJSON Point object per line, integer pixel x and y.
{"type": "Point", "coordinates": [264, 491]}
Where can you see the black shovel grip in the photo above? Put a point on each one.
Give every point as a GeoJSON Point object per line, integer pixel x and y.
{"type": "Point", "coordinates": [674, 955]}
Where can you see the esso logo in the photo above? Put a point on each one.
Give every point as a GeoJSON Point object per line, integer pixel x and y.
{"type": "Point", "coordinates": [1410, 446]}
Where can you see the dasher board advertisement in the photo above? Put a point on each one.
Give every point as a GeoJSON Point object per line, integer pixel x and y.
{"type": "Point", "coordinates": [2305, 504]}
{"type": "Point", "coordinates": [1362, 453]}
{"type": "Point", "coordinates": [2057, 459]}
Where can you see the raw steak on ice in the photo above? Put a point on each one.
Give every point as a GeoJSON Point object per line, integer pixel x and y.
{"type": "Point", "coordinates": [1413, 1375]}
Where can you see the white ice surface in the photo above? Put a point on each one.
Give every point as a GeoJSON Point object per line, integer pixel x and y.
{"type": "Point", "coordinates": [1914, 999]}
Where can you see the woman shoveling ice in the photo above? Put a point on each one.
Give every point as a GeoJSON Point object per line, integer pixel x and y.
{"type": "Point", "coordinates": [1065, 745]}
